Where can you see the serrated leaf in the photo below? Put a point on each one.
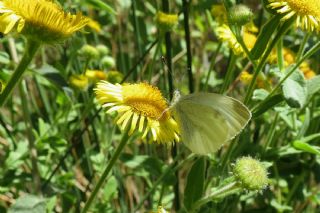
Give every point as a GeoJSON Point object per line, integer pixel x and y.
{"type": "Point", "coordinates": [195, 183]}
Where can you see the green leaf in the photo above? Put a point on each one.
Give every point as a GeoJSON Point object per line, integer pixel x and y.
{"type": "Point", "coordinates": [264, 37]}
{"type": "Point", "coordinates": [274, 100]}
{"type": "Point", "coordinates": [195, 183]}
{"type": "Point", "coordinates": [27, 204]}
{"type": "Point", "coordinates": [260, 94]}
{"type": "Point", "coordinates": [295, 90]}
{"type": "Point", "coordinates": [313, 86]}
{"type": "Point", "coordinates": [101, 5]}
{"type": "Point", "coordinates": [299, 145]}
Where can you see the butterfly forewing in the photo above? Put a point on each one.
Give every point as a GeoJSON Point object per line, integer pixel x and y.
{"type": "Point", "coordinates": [208, 120]}
{"type": "Point", "coordinates": [203, 129]}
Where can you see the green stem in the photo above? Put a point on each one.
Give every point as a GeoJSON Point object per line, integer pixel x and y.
{"type": "Point", "coordinates": [105, 173]}
{"type": "Point", "coordinates": [186, 5]}
{"type": "Point", "coordinates": [231, 66]}
{"type": "Point", "coordinates": [212, 63]}
{"type": "Point", "coordinates": [30, 51]}
{"type": "Point", "coordinates": [283, 29]}
{"type": "Point", "coordinates": [160, 38]}
{"type": "Point", "coordinates": [231, 188]}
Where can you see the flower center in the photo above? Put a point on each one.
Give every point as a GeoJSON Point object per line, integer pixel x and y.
{"type": "Point", "coordinates": [146, 99]}
{"type": "Point", "coordinates": [305, 7]}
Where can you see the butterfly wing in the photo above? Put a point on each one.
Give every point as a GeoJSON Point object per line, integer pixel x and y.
{"type": "Point", "coordinates": [208, 120]}
{"type": "Point", "coordinates": [203, 129]}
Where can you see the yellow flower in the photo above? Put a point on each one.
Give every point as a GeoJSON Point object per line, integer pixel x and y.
{"type": "Point", "coordinates": [166, 22]}
{"type": "Point", "coordinates": [307, 71]}
{"type": "Point", "coordinates": [224, 33]}
{"type": "Point", "coordinates": [94, 25]}
{"type": "Point", "coordinates": [220, 13]}
{"type": "Point", "coordinates": [40, 20]}
{"type": "Point", "coordinates": [142, 107]}
{"type": "Point", "coordinates": [288, 56]}
{"type": "Point", "coordinates": [79, 81]}
{"type": "Point", "coordinates": [307, 12]}
{"type": "Point", "coordinates": [245, 77]}
{"type": "Point", "coordinates": [95, 75]}
{"type": "Point", "coordinates": [160, 210]}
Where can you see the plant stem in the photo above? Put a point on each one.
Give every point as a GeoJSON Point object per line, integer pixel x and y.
{"type": "Point", "coordinates": [185, 5]}
{"type": "Point", "coordinates": [105, 173]}
{"type": "Point", "coordinates": [212, 63]}
{"type": "Point", "coordinates": [231, 66]}
{"type": "Point", "coordinates": [283, 29]}
{"type": "Point", "coordinates": [231, 188]}
{"type": "Point", "coordinates": [30, 51]}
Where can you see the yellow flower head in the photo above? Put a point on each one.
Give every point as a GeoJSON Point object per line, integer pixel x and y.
{"type": "Point", "coordinates": [224, 33]}
{"type": "Point", "coordinates": [79, 81]}
{"type": "Point", "coordinates": [40, 20]}
{"type": "Point", "coordinates": [95, 75]}
{"type": "Point", "coordinates": [220, 13]}
{"type": "Point", "coordinates": [306, 70]}
{"type": "Point", "coordinates": [307, 12]}
{"type": "Point", "coordinates": [245, 77]}
{"type": "Point", "coordinates": [142, 107]}
{"type": "Point", "coordinates": [166, 22]}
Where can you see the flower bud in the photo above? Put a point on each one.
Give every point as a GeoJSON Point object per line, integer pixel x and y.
{"type": "Point", "coordinates": [250, 174]}
{"type": "Point", "coordinates": [108, 62]}
{"type": "Point", "coordinates": [114, 76]}
{"type": "Point", "coordinates": [89, 52]}
{"type": "Point", "coordinates": [80, 82]}
{"type": "Point", "coordinates": [103, 50]}
{"type": "Point", "coordinates": [166, 22]}
{"type": "Point", "coordinates": [240, 15]}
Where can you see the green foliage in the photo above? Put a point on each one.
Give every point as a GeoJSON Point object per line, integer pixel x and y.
{"type": "Point", "coordinates": [56, 141]}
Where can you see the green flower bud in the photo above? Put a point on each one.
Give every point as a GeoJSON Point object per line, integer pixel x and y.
{"type": "Point", "coordinates": [250, 174]}
{"type": "Point", "coordinates": [89, 51]}
{"type": "Point", "coordinates": [103, 50]}
{"type": "Point", "coordinates": [240, 15]}
{"type": "Point", "coordinates": [108, 62]}
{"type": "Point", "coordinates": [114, 76]}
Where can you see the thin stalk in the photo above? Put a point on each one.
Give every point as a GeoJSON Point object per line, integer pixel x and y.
{"type": "Point", "coordinates": [212, 63]}
{"type": "Point", "coordinates": [30, 51]}
{"type": "Point", "coordinates": [302, 46]}
{"type": "Point", "coordinates": [185, 5]}
{"type": "Point", "coordinates": [230, 71]}
{"type": "Point", "coordinates": [280, 55]}
{"type": "Point", "coordinates": [231, 188]}
{"type": "Point", "coordinates": [33, 151]}
{"type": "Point", "coordinates": [156, 52]}
{"type": "Point", "coordinates": [105, 173]}
{"type": "Point", "coordinates": [174, 151]}
{"type": "Point", "coordinates": [173, 167]}
{"type": "Point", "coordinates": [271, 132]}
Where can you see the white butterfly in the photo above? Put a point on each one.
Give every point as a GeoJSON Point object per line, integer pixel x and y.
{"type": "Point", "coordinates": [208, 120]}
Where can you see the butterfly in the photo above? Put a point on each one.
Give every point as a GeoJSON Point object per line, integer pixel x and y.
{"type": "Point", "coordinates": [208, 120]}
